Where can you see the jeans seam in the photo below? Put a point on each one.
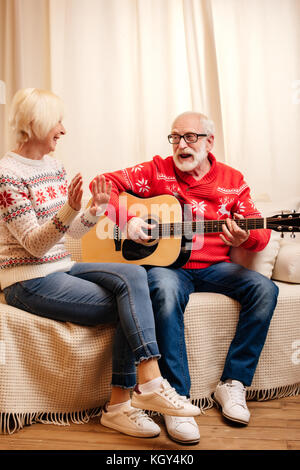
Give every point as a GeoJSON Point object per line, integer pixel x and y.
{"type": "Point", "coordinates": [123, 373]}
{"type": "Point", "coordinates": [134, 316]}
{"type": "Point", "coordinates": [148, 342]}
{"type": "Point", "coordinates": [20, 302]}
{"type": "Point", "coordinates": [138, 328]}
{"type": "Point", "coordinates": [50, 298]}
{"type": "Point", "coordinates": [133, 312]}
{"type": "Point", "coordinates": [218, 284]}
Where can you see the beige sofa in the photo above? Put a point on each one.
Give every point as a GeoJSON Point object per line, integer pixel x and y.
{"type": "Point", "coordinates": [55, 372]}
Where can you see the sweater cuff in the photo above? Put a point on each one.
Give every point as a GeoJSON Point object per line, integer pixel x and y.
{"type": "Point", "coordinates": [90, 220]}
{"type": "Point", "coordinates": [66, 214]}
{"type": "Point", "coordinates": [250, 243]}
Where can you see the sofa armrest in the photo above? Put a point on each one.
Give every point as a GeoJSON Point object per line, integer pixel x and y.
{"type": "Point", "coordinates": [287, 264]}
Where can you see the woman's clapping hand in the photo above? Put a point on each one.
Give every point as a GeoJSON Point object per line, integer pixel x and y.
{"type": "Point", "coordinates": [75, 192]}
{"type": "Point", "coordinates": [100, 195]}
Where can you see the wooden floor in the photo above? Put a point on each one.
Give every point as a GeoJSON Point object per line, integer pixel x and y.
{"type": "Point", "coordinates": [274, 425]}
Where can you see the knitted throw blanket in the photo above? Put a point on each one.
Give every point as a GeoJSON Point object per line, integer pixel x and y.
{"type": "Point", "coordinates": [54, 372]}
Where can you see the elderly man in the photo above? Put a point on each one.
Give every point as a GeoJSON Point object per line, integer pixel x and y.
{"type": "Point", "coordinates": [215, 191]}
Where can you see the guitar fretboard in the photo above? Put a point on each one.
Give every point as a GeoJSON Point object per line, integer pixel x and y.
{"type": "Point", "coordinates": [204, 226]}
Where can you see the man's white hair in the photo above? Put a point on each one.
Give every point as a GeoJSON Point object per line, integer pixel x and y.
{"type": "Point", "coordinates": [208, 124]}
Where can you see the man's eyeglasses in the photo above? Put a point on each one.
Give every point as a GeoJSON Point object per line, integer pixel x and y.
{"type": "Point", "coordinates": [190, 137]}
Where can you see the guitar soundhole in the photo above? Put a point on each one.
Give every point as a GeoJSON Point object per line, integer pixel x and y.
{"type": "Point", "coordinates": [133, 251]}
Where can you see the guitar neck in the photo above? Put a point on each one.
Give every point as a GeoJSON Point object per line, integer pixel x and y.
{"type": "Point", "coordinates": [206, 226]}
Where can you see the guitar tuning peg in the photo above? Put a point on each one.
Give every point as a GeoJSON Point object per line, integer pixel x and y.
{"type": "Point", "coordinates": [293, 235]}
{"type": "Point", "coordinates": [282, 235]}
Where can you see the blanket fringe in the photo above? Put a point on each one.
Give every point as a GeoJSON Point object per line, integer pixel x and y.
{"type": "Point", "coordinates": [256, 395]}
{"type": "Point", "coordinates": [13, 422]}
{"type": "Point", "coordinates": [273, 393]}
{"type": "Point", "coordinates": [203, 403]}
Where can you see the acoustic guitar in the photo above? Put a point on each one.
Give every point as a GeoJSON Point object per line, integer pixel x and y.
{"type": "Point", "coordinates": [171, 237]}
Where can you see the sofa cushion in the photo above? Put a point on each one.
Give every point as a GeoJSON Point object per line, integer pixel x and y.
{"type": "Point", "coordinates": [287, 264]}
{"type": "Point", "coordinates": [262, 261]}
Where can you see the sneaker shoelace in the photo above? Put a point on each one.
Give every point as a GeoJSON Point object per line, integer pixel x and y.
{"type": "Point", "coordinates": [237, 393]}
{"type": "Point", "coordinates": [137, 415]}
{"type": "Point", "coordinates": [171, 395]}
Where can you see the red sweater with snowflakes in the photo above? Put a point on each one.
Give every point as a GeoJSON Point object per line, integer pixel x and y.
{"type": "Point", "coordinates": [219, 194]}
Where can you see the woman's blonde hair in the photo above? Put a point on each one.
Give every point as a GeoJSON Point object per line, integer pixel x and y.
{"type": "Point", "coordinates": [34, 112]}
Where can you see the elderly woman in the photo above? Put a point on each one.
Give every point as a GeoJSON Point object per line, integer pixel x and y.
{"type": "Point", "coordinates": [37, 209]}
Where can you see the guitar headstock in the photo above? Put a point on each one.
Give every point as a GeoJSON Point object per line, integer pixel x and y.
{"type": "Point", "coordinates": [284, 222]}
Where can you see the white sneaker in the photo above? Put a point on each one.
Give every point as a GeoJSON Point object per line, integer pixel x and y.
{"type": "Point", "coordinates": [131, 421]}
{"type": "Point", "coordinates": [182, 429]}
{"type": "Point", "coordinates": [231, 396]}
{"type": "Point", "coordinates": [164, 400]}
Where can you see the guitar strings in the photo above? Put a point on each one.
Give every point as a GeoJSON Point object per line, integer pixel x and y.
{"type": "Point", "coordinates": [205, 226]}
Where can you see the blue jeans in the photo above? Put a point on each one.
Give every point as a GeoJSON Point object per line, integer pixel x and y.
{"type": "Point", "coordinates": [94, 294]}
{"type": "Point", "coordinates": [170, 290]}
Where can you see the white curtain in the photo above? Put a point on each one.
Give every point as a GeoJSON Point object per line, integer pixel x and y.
{"type": "Point", "coordinates": [24, 53]}
{"type": "Point", "coordinates": [258, 56]}
{"type": "Point", "coordinates": [126, 68]}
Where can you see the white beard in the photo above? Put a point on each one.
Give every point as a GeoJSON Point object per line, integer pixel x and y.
{"type": "Point", "coordinates": [193, 161]}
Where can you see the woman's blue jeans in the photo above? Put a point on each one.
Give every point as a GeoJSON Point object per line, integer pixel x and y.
{"type": "Point", "coordinates": [93, 294]}
{"type": "Point", "coordinates": [170, 290]}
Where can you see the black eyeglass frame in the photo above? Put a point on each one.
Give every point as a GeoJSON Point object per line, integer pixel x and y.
{"type": "Point", "coordinates": [184, 137]}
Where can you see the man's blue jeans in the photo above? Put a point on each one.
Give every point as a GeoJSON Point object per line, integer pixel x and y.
{"type": "Point", "coordinates": [93, 294]}
{"type": "Point", "coordinates": [170, 290]}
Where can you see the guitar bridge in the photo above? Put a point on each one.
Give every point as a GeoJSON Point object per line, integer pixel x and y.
{"type": "Point", "coordinates": [117, 238]}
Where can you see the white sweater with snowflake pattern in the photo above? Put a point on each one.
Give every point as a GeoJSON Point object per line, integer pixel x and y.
{"type": "Point", "coordinates": [34, 217]}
